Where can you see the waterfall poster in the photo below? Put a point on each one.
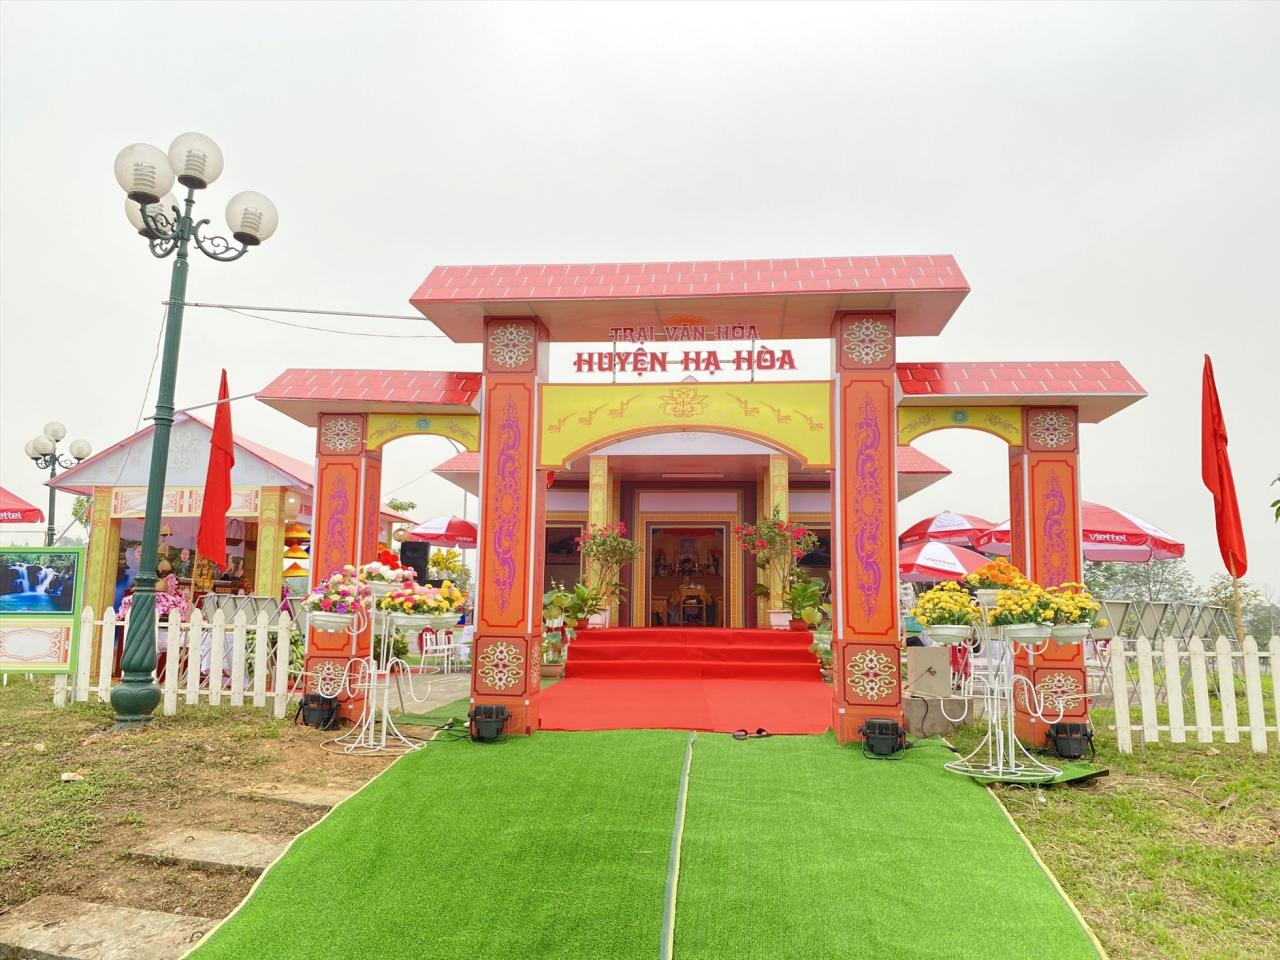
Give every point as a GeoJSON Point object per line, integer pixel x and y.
{"type": "Point", "coordinates": [40, 594]}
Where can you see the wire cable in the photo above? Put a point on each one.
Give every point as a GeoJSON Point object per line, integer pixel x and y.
{"type": "Point", "coordinates": [343, 333]}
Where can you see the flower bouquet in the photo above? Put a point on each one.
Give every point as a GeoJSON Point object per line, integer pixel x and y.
{"type": "Point", "coordinates": [1025, 615]}
{"type": "Point", "coordinates": [947, 613]}
{"type": "Point", "coordinates": [414, 608]}
{"type": "Point", "coordinates": [386, 574]}
{"type": "Point", "coordinates": [334, 603]}
{"type": "Point", "coordinates": [1074, 612]}
{"type": "Point", "coordinates": [991, 577]}
{"type": "Point", "coordinates": [775, 545]}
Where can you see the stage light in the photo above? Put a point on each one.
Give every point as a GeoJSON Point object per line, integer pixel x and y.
{"type": "Point", "coordinates": [487, 721]}
{"type": "Point", "coordinates": [882, 737]}
{"type": "Point", "coordinates": [1069, 739]}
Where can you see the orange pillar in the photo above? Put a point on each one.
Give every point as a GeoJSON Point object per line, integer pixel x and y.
{"type": "Point", "coordinates": [867, 677]}
{"type": "Point", "coordinates": [1044, 511]}
{"type": "Point", "coordinates": [508, 645]}
{"type": "Point", "coordinates": [344, 531]}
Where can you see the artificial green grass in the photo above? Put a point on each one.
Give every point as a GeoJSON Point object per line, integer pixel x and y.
{"type": "Point", "coordinates": [556, 846]}
{"type": "Point", "coordinates": [796, 847]}
{"type": "Point", "coordinates": [546, 846]}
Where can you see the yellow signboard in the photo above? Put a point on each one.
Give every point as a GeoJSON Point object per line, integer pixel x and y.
{"type": "Point", "coordinates": [1004, 422]}
{"type": "Point", "coordinates": [385, 427]}
{"type": "Point", "coordinates": [794, 417]}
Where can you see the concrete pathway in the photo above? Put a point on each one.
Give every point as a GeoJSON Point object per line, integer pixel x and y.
{"type": "Point", "coordinates": [214, 849]}
{"type": "Point", "coordinates": [66, 929]}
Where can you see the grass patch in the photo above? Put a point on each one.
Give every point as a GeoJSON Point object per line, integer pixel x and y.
{"type": "Point", "coordinates": [1175, 854]}
{"type": "Point", "coordinates": [546, 846]}
{"type": "Point", "coordinates": [794, 846]}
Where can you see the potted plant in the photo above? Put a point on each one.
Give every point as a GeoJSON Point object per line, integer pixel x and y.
{"type": "Point", "coordinates": [1023, 616]}
{"type": "Point", "coordinates": [821, 648]}
{"type": "Point", "coordinates": [386, 574]}
{"type": "Point", "coordinates": [555, 648]}
{"type": "Point", "coordinates": [413, 608]}
{"type": "Point", "coordinates": [445, 563]}
{"type": "Point", "coordinates": [1074, 613]}
{"type": "Point", "coordinates": [585, 603]}
{"type": "Point", "coordinates": [607, 551]}
{"type": "Point", "coordinates": [775, 545]}
{"type": "Point", "coordinates": [333, 604]}
{"type": "Point", "coordinates": [804, 597]}
{"type": "Point", "coordinates": [947, 613]}
{"type": "Point", "coordinates": [992, 577]}
{"type": "Point", "coordinates": [555, 605]}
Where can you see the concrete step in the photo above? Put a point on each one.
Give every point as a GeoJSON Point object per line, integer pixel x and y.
{"type": "Point", "coordinates": [60, 928]}
{"type": "Point", "coordinates": [214, 849]}
{"type": "Point", "coordinates": [298, 794]}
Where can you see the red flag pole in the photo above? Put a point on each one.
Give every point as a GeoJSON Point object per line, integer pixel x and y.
{"type": "Point", "coordinates": [1215, 469]}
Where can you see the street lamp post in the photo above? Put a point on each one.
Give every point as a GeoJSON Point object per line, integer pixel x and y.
{"type": "Point", "coordinates": [147, 174]}
{"type": "Point", "coordinates": [43, 451]}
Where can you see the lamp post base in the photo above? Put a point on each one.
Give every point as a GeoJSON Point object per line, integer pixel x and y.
{"type": "Point", "coordinates": [135, 700]}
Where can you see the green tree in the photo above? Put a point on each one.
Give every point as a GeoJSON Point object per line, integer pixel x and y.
{"type": "Point", "coordinates": [401, 506]}
{"type": "Point", "coordinates": [80, 510]}
{"type": "Point", "coordinates": [1258, 613]}
{"type": "Point", "coordinates": [1158, 580]}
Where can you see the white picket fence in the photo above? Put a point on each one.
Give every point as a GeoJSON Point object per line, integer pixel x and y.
{"type": "Point", "coordinates": [1173, 674]}
{"type": "Point", "coordinates": [217, 660]}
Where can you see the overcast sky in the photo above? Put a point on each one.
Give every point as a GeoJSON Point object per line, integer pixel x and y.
{"type": "Point", "coordinates": [1105, 176]}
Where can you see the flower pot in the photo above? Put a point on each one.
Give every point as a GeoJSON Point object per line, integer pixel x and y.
{"type": "Point", "coordinates": [779, 619]}
{"type": "Point", "coordinates": [797, 624]}
{"type": "Point", "coordinates": [1068, 633]}
{"type": "Point", "coordinates": [986, 597]}
{"type": "Point", "coordinates": [417, 622]}
{"type": "Point", "coordinates": [380, 588]}
{"type": "Point", "coordinates": [583, 625]}
{"type": "Point", "coordinates": [1027, 633]}
{"type": "Point", "coordinates": [330, 622]}
{"type": "Point", "coordinates": [552, 671]}
{"type": "Point", "coordinates": [948, 634]}
{"type": "Point", "coordinates": [555, 624]}
{"type": "Point", "coordinates": [600, 619]}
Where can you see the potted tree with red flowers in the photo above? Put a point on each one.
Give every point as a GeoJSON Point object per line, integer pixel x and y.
{"type": "Point", "coordinates": [607, 550]}
{"type": "Point", "coordinates": [775, 545]}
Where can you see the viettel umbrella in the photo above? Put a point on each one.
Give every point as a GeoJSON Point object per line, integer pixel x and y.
{"type": "Point", "coordinates": [13, 509]}
{"type": "Point", "coordinates": [446, 532]}
{"type": "Point", "coordinates": [926, 562]}
{"type": "Point", "coordinates": [1109, 535]}
{"type": "Point", "coordinates": [946, 527]}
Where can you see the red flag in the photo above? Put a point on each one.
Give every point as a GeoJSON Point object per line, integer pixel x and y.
{"type": "Point", "coordinates": [1215, 468]}
{"type": "Point", "coordinates": [211, 541]}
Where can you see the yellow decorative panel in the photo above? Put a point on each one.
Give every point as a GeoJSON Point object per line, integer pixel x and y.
{"type": "Point", "coordinates": [385, 427]}
{"type": "Point", "coordinates": [794, 417]}
{"type": "Point", "coordinates": [1004, 422]}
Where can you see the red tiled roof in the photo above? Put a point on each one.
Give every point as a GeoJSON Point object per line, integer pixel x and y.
{"type": "Point", "coordinates": [465, 462]}
{"type": "Point", "coordinates": [1017, 378]}
{"type": "Point", "coordinates": [374, 386]}
{"type": "Point", "coordinates": [304, 394]}
{"type": "Point", "coordinates": [700, 278]}
{"type": "Point", "coordinates": [1098, 387]}
{"type": "Point", "coordinates": [911, 460]}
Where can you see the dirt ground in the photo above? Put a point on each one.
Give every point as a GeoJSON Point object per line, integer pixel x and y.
{"type": "Point", "coordinates": [74, 838]}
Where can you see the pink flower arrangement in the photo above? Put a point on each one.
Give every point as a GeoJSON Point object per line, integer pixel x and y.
{"type": "Point", "coordinates": [417, 601]}
{"type": "Point", "coordinates": [379, 572]}
{"type": "Point", "coordinates": [343, 592]}
{"type": "Point", "coordinates": [168, 599]}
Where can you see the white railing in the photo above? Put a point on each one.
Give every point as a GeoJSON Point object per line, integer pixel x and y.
{"type": "Point", "coordinates": [1177, 675]}
{"type": "Point", "coordinates": [218, 660]}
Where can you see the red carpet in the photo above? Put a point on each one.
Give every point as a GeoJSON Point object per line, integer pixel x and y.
{"type": "Point", "coordinates": [689, 679]}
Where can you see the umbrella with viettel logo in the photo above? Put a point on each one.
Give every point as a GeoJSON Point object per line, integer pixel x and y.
{"type": "Point", "coordinates": [1109, 535]}
{"type": "Point", "coordinates": [446, 532]}
{"type": "Point", "coordinates": [13, 509]}
{"type": "Point", "coordinates": [946, 527]}
{"type": "Point", "coordinates": [927, 562]}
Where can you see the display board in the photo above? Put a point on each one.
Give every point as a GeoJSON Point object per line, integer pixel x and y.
{"type": "Point", "coordinates": [41, 591]}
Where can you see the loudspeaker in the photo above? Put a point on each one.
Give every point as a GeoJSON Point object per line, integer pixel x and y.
{"type": "Point", "coordinates": [1069, 740]}
{"type": "Point", "coordinates": [882, 737]}
{"type": "Point", "coordinates": [487, 721]}
{"type": "Point", "coordinates": [413, 553]}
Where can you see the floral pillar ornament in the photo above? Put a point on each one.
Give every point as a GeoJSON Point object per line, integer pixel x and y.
{"type": "Point", "coordinates": [1045, 510]}
{"type": "Point", "coordinates": [864, 537]}
{"type": "Point", "coordinates": [508, 581]}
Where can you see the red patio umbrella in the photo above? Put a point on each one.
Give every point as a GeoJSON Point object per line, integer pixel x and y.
{"type": "Point", "coordinates": [13, 509]}
{"type": "Point", "coordinates": [927, 562]}
{"type": "Point", "coordinates": [1110, 535]}
{"type": "Point", "coordinates": [946, 527]}
{"type": "Point", "coordinates": [446, 532]}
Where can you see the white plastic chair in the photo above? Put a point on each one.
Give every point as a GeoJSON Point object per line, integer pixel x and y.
{"type": "Point", "coordinates": [438, 643]}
